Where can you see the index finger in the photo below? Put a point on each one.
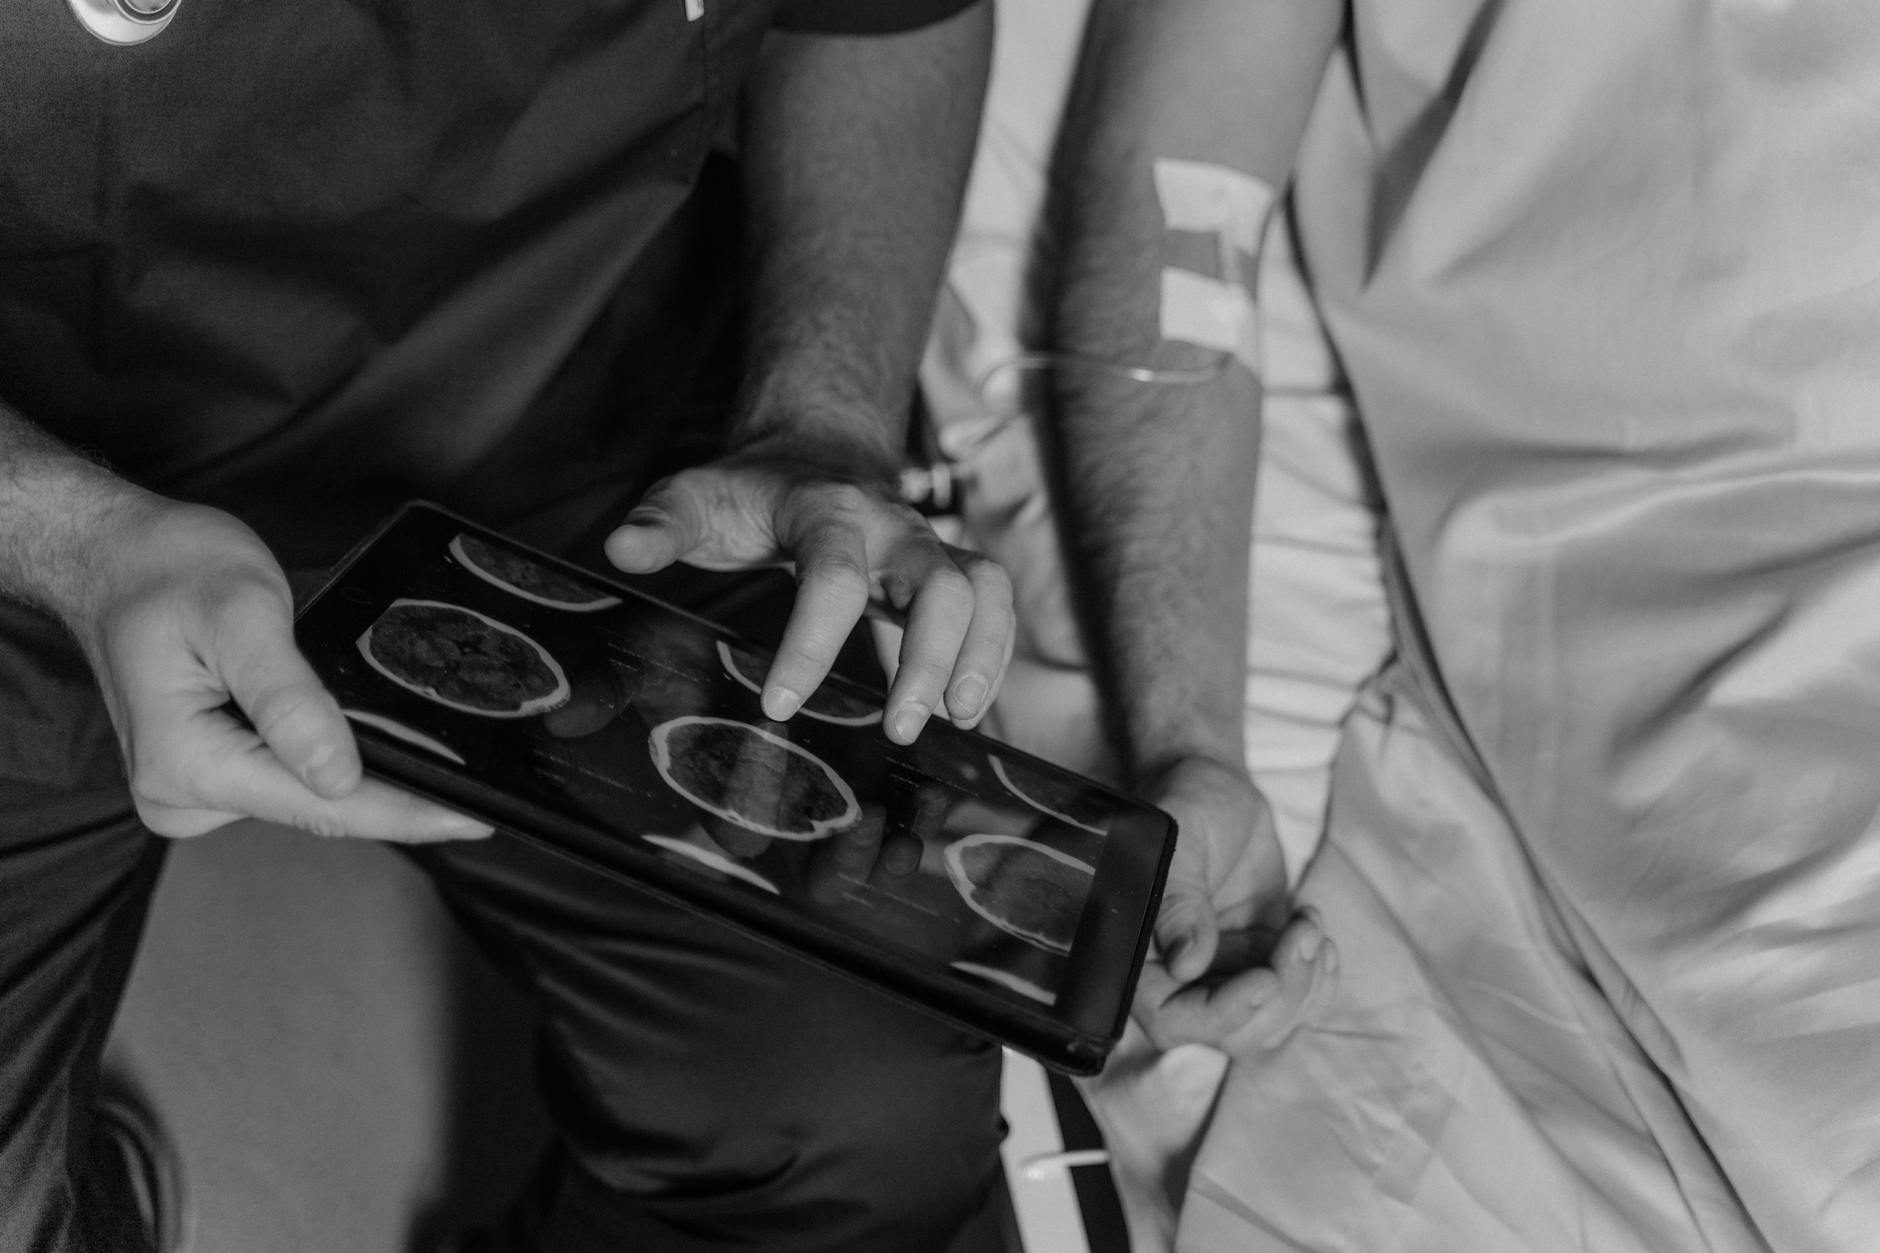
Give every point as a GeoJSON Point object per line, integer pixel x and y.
{"type": "Point", "coordinates": [833, 584]}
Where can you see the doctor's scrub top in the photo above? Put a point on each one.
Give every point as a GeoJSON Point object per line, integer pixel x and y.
{"type": "Point", "coordinates": [305, 259]}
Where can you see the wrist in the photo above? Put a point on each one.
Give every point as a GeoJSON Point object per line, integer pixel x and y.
{"type": "Point", "coordinates": [833, 438]}
{"type": "Point", "coordinates": [1171, 729]}
{"type": "Point", "coordinates": [1191, 768]}
{"type": "Point", "coordinates": [58, 514]}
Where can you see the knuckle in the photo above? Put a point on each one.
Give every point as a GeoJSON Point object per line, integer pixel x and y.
{"type": "Point", "coordinates": [245, 593]}
{"type": "Point", "coordinates": [991, 581]}
{"type": "Point", "coordinates": [924, 675]}
{"type": "Point", "coordinates": [804, 662]}
{"type": "Point", "coordinates": [824, 504]}
{"type": "Point", "coordinates": [166, 822]}
{"type": "Point", "coordinates": [837, 575]}
{"type": "Point", "coordinates": [666, 500]}
{"type": "Point", "coordinates": [949, 587]}
{"type": "Point", "coordinates": [158, 780]}
{"type": "Point", "coordinates": [147, 795]}
{"type": "Point", "coordinates": [283, 710]}
{"type": "Point", "coordinates": [848, 499]}
{"type": "Point", "coordinates": [242, 608]}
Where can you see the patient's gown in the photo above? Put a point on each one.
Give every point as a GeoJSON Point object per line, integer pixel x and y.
{"type": "Point", "coordinates": [1602, 860]}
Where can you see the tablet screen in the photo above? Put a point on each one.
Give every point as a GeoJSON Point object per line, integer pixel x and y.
{"type": "Point", "coordinates": [976, 880]}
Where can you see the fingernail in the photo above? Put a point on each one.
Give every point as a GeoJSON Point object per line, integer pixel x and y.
{"type": "Point", "coordinates": [1309, 944]}
{"type": "Point", "coordinates": [780, 703]}
{"type": "Point", "coordinates": [967, 694]}
{"type": "Point", "coordinates": [909, 719]}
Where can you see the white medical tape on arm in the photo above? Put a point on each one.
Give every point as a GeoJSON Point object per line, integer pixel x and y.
{"type": "Point", "coordinates": [1211, 314]}
{"type": "Point", "coordinates": [1215, 312]}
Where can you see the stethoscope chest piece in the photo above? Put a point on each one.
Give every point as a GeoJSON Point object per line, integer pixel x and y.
{"type": "Point", "coordinates": [125, 21]}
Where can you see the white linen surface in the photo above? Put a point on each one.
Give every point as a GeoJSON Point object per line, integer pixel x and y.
{"type": "Point", "coordinates": [1605, 280]}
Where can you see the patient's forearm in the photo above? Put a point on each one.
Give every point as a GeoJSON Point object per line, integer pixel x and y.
{"type": "Point", "coordinates": [1158, 475]}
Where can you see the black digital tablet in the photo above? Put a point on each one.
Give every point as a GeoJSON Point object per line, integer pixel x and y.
{"type": "Point", "coordinates": [970, 880]}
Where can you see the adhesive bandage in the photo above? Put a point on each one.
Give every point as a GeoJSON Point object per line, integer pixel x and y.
{"type": "Point", "coordinates": [1214, 310]}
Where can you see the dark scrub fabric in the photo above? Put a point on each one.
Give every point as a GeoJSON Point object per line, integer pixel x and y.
{"type": "Point", "coordinates": [76, 873]}
{"type": "Point", "coordinates": [303, 261]}
{"type": "Point", "coordinates": [712, 1092]}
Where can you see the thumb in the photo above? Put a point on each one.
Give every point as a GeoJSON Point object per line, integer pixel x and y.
{"type": "Point", "coordinates": [666, 526]}
{"type": "Point", "coordinates": [290, 709]}
{"type": "Point", "coordinates": [1186, 932]}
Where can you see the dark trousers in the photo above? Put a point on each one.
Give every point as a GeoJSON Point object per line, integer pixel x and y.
{"type": "Point", "coordinates": [708, 1092]}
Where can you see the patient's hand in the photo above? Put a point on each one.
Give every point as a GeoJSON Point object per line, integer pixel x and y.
{"type": "Point", "coordinates": [1230, 959]}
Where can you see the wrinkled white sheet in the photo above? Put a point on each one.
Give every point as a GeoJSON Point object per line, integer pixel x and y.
{"type": "Point", "coordinates": [1470, 1088]}
{"type": "Point", "coordinates": [1605, 278]}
